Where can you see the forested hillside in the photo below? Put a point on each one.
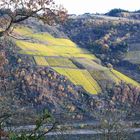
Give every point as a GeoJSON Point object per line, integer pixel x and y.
{"type": "Point", "coordinates": [50, 72]}
{"type": "Point", "coordinates": [114, 40]}
{"type": "Point", "coordinates": [84, 68]}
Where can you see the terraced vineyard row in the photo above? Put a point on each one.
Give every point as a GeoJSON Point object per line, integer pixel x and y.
{"type": "Point", "coordinates": [124, 78]}
{"type": "Point", "coordinates": [92, 81]}
{"type": "Point", "coordinates": [47, 50]}
{"type": "Point", "coordinates": [58, 53]}
{"type": "Point", "coordinates": [104, 75]}
{"type": "Point", "coordinates": [60, 62]}
{"type": "Point", "coordinates": [45, 37]}
{"type": "Point", "coordinates": [54, 62]}
{"type": "Point", "coordinates": [90, 64]}
{"type": "Point", "coordinates": [41, 61]}
{"type": "Point", "coordinates": [80, 77]}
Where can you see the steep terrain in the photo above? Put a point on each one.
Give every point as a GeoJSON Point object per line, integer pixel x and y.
{"type": "Point", "coordinates": [28, 89]}
{"type": "Point", "coordinates": [48, 70]}
{"type": "Point", "coordinates": [124, 14]}
{"type": "Point", "coordinates": [66, 58]}
{"type": "Point", "coordinates": [115, 40]}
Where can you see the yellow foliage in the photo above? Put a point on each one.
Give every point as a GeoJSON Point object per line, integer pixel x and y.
{"type": "Point", "coordinates": [60, 51]}
{"type": "Point", "coordinates": [55, 46]}
{"type": "Point", "coordinates": [46, 50]}
{"type": "Point", "coordinates": [82, 55]}
{"type": "Point", "coordinates": [80, 77]}
{"type": "Point", "coordinates": [41, 61]}
{"type": "Point", "coordinates": [92, 81]}
{"type": "Point", "coordinates": [104, 75]}
{"type": "Point", "coordinates": [53, 41]}
{"type": "Point", "coordinates": [23, 30]}
{"type": "Point", "coordinates": [60, 62]}
{"type": "Point", "coordinates": [124, 78]}
{"type": "Point", "coordinates": [44, 37]}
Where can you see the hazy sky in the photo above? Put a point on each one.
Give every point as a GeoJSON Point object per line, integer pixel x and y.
{"type": "Point", "coordinates": [100, 6]}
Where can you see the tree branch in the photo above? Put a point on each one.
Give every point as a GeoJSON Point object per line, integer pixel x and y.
{"type": "Point", "coordinates": [43, 134]}
{"type": "Point", "coordinates": [8, 28]}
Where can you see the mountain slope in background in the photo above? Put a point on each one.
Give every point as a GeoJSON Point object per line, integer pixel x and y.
{"type": "Point", "coordinates": [124, 14]}
{"type": "Point", "coordinates": [115, 40]}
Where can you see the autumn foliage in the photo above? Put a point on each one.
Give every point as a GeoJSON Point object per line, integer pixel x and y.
{"type": "Point", "coordinates": [15, 11]}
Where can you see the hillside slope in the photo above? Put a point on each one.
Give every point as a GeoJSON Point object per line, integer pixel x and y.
{"type": "Point", "coordinates": [115, 40]}
{"type": "Point", "coordinates": [65, 57]}
{"type": "Point", "coordinates": [28, 89]}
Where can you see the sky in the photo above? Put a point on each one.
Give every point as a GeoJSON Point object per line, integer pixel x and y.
{"type": "Point", "coordinates": [98, 6]}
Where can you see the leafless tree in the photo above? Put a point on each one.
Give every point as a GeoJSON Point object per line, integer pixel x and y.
{"type": "Point", "coordinates": [118, 105]}
{"type": "Point", "coordinates": [112, 124]}
{"type": "Point", "coordinates": [15, 11]}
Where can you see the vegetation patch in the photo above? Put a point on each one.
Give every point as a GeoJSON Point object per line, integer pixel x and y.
{"type": "Point", "coordinates": [22, 30]}
{"type": "Point", "coordinates": [87, 56]}
{"type": "Point", "coordinates": [44, 36]}
{"type": "Point", "coordinates": [133, 56]}
{"type": "Point", "coordinates": [104, 77]}
{"type": "Point", "coordinates": [124, 78]}
{"type": "Point", "coordinates": [80, 77]}
{"type": "Point", "coordinates": [90, 64]}
{"type": "Point", "coordinates": [92, 81]}
{"type": "Point", "coordinates": [53, 41]}
{"type": "Point", "coordinates": [78, 65]}
{"type": "Point", "coordinates": [41, 61]}
{"type": "Point", "coordinates": [60, 62]}
{"type": "Point", "coordinates": [47, 50]}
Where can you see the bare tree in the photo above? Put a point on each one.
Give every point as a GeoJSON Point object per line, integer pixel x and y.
{"type": "Point", "coordinates": [112, 124]}
{"type": "Point", "coordinates": [15, 11]}
{"type": "Point", "coordinates": [118, 105]}
{"type": "Point", "coordinates": [44, 124]}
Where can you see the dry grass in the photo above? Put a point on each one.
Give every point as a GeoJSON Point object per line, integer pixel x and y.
{"type": "Point", "coordinates": [58, 53]}
{"type": "Point", "coordinates": [125, 78]}
{"type": "Point", "coordinates": [81, 77]}
{"type": "Point", "coordinates": [41, 61]}
{"type": "Point", "coordinates": [60, 62]}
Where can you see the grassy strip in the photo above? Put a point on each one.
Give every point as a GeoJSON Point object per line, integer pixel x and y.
{"type": "Point", "coordinates": [60, 62]}
{"type": "Point", "coordinates": [41, 61]}
{"type": "Point", "coordinates": [79, 77]}
{"type": "Point", "coordinates": [124, 78]}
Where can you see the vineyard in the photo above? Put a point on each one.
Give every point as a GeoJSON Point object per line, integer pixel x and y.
{"type": "Point", "coordinates": [124, 78]}
{"type": "Point", "coordinates": [41, 61]}
{"type": "Point", "coordinates": [45, 37]}
{"type": "Point", "coordinates": [65, 57]}
{"type": "Point", "coordinates": [46, 50]}
{"type": "Point", "coordinates": [60, 62]}
{"type": "Point", "coordinates": [90, 64]}
{"type": "Point", "coordinates": [81, 77]}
